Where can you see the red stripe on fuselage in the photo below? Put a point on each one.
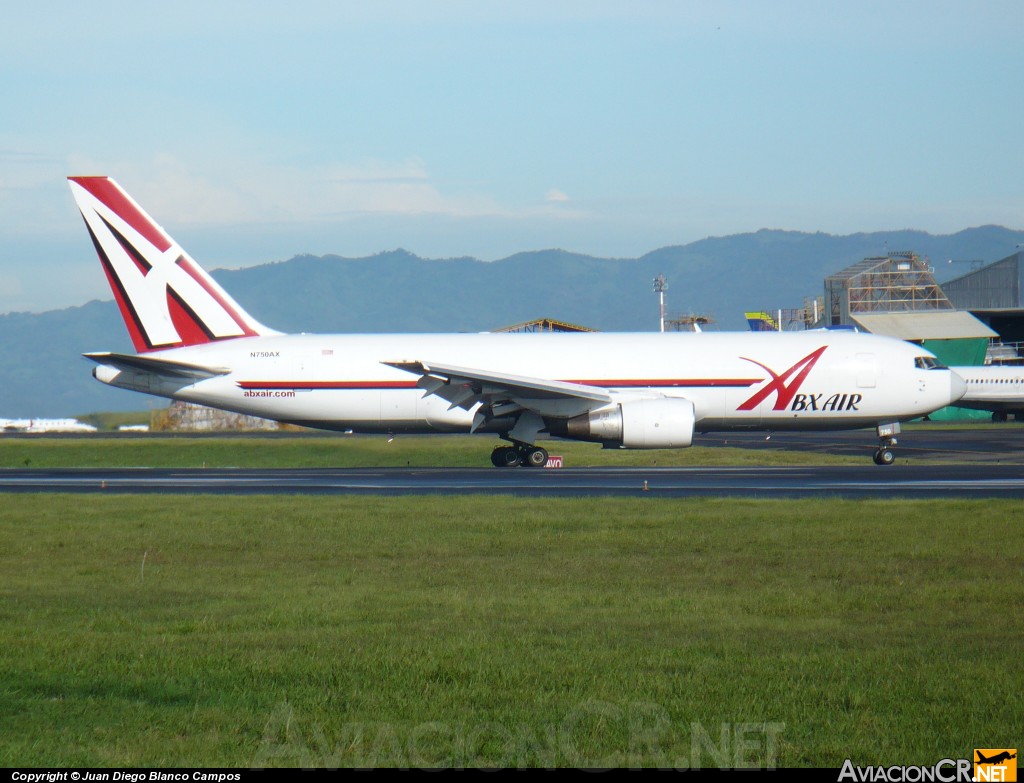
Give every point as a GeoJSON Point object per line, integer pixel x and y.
{"type": "Point", "coordinates": [741, 383]}
{"type": "Point", "coordinates": [307, 385]}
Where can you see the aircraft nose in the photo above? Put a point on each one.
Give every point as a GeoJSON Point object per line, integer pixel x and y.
{"type": "Point", "coordinates": [957, 387]}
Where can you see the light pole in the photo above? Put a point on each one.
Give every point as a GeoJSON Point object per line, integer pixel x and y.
{"type": "Point", "coordinates": [660, 286]}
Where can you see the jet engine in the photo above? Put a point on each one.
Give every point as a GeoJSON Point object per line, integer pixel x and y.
{"type": "Point", "coordinates": [661, 423]}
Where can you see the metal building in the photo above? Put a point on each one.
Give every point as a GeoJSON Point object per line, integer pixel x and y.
{"type": "Point", "coordinates": [897, 295]}
{"type": "Point", "coordinates": [995, 294]}
{"type": "Point", "coordinates": [955, 336]}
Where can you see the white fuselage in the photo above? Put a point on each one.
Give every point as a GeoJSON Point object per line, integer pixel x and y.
{"type": "Point", "coordinates": [743, 380]}
{"type": "Point", "coordinates": [999, 389]}
{"type": "Point", "coordinates": [44, 425]}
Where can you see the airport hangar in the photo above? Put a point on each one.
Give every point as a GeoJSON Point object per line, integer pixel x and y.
{"type": "Point", "coordinates": [973, 320]}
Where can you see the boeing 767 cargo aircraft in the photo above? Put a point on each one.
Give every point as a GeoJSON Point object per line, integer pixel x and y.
{"type": "Point", "coordinates": [194, 342]}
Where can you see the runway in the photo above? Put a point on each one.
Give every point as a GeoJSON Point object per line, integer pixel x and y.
{"type": "Point", "coordinates": [904, 481]}
{"type": "Point", "coordinates": [989, 463]}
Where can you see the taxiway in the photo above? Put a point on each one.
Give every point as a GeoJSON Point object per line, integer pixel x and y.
{"type": "Point", "coordinates": [908, 481]}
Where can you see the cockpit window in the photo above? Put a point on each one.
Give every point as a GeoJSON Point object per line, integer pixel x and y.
{"type": "Point", "coordinates": [929, 363]}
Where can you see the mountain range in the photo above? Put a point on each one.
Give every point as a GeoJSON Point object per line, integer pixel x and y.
{"type": "Point", "coordinates": [42, 373]}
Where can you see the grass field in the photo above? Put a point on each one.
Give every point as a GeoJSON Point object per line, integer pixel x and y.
{"type": "Point", "coordinates": [442, 631]}
{"type": "Point", "coordinates": [359, 451]}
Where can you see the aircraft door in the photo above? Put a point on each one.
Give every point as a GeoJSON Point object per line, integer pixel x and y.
{"type": "Point", "coordinates": [867, 371]}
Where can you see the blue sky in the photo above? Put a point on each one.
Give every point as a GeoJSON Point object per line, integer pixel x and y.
{"type": "Point", "coordinates": [256, 131]}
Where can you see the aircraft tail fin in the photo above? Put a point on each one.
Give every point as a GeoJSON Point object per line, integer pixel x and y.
{"type": "Point", "coordinates": [166, 299]}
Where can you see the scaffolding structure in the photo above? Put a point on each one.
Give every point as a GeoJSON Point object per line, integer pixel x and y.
{"type": "Point", "coordinates": [788, 320]}
{"type": "Point", "coordinates": [897, 283]}
{"type": "Point", "coordinates": [192, 417]}
{"type": "Point", "coordinates": [544, 325]}
{"type": "Point", "coordinates": [689, 322]}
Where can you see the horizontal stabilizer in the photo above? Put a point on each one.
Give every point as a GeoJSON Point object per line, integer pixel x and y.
{"type": "Point", "coordinates": [162, 367]}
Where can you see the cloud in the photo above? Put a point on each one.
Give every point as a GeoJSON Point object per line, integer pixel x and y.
{"type": "Point", "coordinates": [263, 193]}
{"type": "Point", "coordinates": [555, 195]}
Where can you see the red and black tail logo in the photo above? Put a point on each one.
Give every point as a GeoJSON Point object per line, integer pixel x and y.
{"type": "Point", "coordinates": [165, 298]}
{"type": "Point", "coordinates": [780, 383]}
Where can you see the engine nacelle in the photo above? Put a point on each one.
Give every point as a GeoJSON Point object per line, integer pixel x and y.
{"type": "Point", "coordinates": [657, 424]}
{"type": "Point", "coordinates": [662, 423]}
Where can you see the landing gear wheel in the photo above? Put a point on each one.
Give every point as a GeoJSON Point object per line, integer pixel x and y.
{"type": "Point", "coordinates": [999, 416]}
{"type": "Point", "coordinates": [505, 457]}
{"type": "Point", "coordinates": [887, 433]}
{"type": "Point", "coordinates": [534, 457]}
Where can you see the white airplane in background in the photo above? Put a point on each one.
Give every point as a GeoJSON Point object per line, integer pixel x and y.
{"type": "Point", "coordinates": [638, 391]}
{"type": "Point", "coordinates": [996, 389]}
{"type": "Point", "coordinates": [44, 425]}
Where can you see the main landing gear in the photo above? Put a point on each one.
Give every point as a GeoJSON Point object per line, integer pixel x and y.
{"type": "Point", "coordinates": [886, 440]}
{"type": "Point", "coordinates": [519, 454]}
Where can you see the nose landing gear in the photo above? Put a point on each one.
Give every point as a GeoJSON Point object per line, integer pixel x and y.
{"type": "Point", "coordinates": [886, 440]}
{"type": "Point", "coordinates": [884, 455]}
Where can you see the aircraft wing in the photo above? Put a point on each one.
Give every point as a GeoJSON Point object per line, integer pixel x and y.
{"type": "Point", "coordinates": [503, 394]}
{"type": "Point", "coordinates": [155, 366]}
